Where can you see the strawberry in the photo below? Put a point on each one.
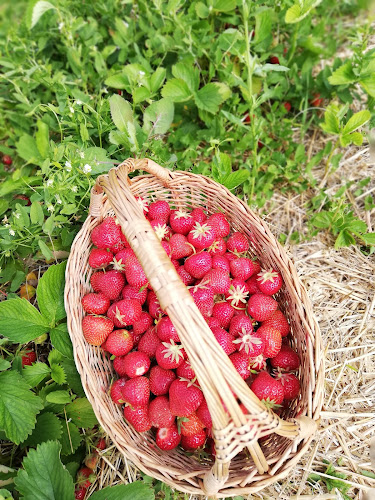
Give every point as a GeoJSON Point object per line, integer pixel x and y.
{"type": "Point", "coordinates": [191, 425]}
{"type": "Point", "coordinates": [225, 340]}
{"type": "Point", "coordinates": [117, 247]}
{"type": "Point", "coordinates": [96, 329]}
{"type": "Point", "coordinates": [287, 106]}
{"type": "Point", "coordinates": [121, 258]}
{"type": "Point", "coordinates": [267, 389]}
{"type": "Point", "coordinates": [269, 282]}
{"type": "Point", "coordinates": [238, 243]}
{"type": "Point", "coordinates": [7, 160]}
{"type": "Point", "coordinates": [274, 60]}
{"type": "Point", "coordinates": [198, 264]}
{"type": "Point", "coordinates": [167, 247]}
{"type": "Point", "coordinates": [224, 313]}
{"type": "Point", "coordinates": [201, 236]}
{"type": "Point", "coordinates": [240, 325]}
{"type": "Point", "coordinates": [286, 359]}
{"type": "Point", "coordinates": [159, 210]}
{"type": "Point", "coordinates": [176, 263]}
{"type": "Point", "coordinates": [106, 234]}
{"type": "Point", "coordinates": [271, 339]}
{"type": "Point", "coordinates": [258, 363]}
{"type": "Point", "coordinates": [136, 337]}
{"type": "Point", "coordinates": [186, 278]}
{"type": "Point", "coordinates": [230, 256]}
{"type": "Point", "coordinates": [118, 365]}
{"type": "Point", "coordinates": [193, 442]}
{"type": "Point", "coordinates": [204, 415]}
{"type": "Point", "coordinates": [100, 257]}
{"type": "Point", "coordinates": [95, 280]}
{"type": "Point", "coordinates": [119, 342]}
{"type": "Point", "coordinates": [260, 306]}
{"type": "Point", "coordinates": [159, 412]}
{"type": "Point", "coordinates": [218, 279]}
{"type": "Point", "coordinates": [125, 312]}
{"type": "Point", "coordinates": [256, 264]}
{"type": "Point", "coordinates": [142, 324]}
{"type": "Point", "coordinates": [291, 385]}
{"type": "Point", "coordinates": [138, 417]}
{"type": "Point", "coordinates": [184, 398]}
{"type": "Point", "coordinates": [240, 361]}
{"type": "Point", "coordinates": [237, 294]}
{"type": "Point", "coordinates": [136, 391]}
{"type": "Point", "coordinates": [154, 305]}
{"type": "Point", "coordinates": [242, 268]}
{"type": "Point", "coordinates": [168, 438]}
{"type": "Point", "coordinates": [80, 493]}
{"type": "Point", "coordinates": [160, 380]}
{"type": "Point", "coordinates": [203, 296]}
{"type": "Point", "coordinates": [181, 222]}
{"type": "Point", "coordinates": [110, 283]}
{"type": "Point", "coordinates": [95, 303]}
{"type": "Point", "coordinates": [185, 370]}
{"type": "Point", "coordinates": [278, 320]}
{"type": "Point", "coordinates": [220, 262]}
{"type": "Point", "coordinates": [162, 230]}
{"type": "Point", "coordinates": [85, 477]}
{"type": "Point", "coordinates": [101, 444]}
{"type": "Point", "coordinates": [143, 204]}
{"type": "Point", "coordinates": [252, 343]}
{"type": "Point", "coordinates": [149, 342]}
{"type": "Point", "coordinates": [218, 247]}
{"type": "Point", "coordinates": [169, 355]}
{"type": "Point", "coordinates": [116, 390]}
{"type": "Point", "coordinates": [130, 292]}
{"type": "Point", "coordinates": [180, 247]}
{"type": "Point", "coordinates": [166, 330]}
{"type": "Point", "coordinates": [134, 273]}
{"type": "Point", "coordinates": [198, 215]}
{"type": "Point", "coordinates": [28, 358]}
{"type": "Point", "coordinates": [213, 322]}
{"type": "Point", "coordinates": [317, 102]}
{"type": "Point", "coordinates": [252, 285]}
{"type": "Point", "coordinates": [220, 225]}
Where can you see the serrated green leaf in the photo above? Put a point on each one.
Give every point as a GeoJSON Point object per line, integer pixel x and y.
{"type": "Point", "coordinates": [72, 376]}
{"type": "Point", "coordinates": [331, 123]}
{"type": "Point", "coordinates": [224, 5]}
{"type": "Point", "coordinates": [59, 397]}
{"type": "Point", "coordinates": [35, 373]}
{"type": "Point", "coordinates": [132, 491]}
{"type": "Point", "coordinates": [48, 427]}
{"type": "Point", "coordinates": [177, 90]}
{"type": "Point", "coordinates": [157, 79]}
{"type": "Point", "coordinates": [121, 112]}
{"type": "Point", "coordinates": [299, 11]}
{"type": "Point", "coordinates": [42, 138]}
{"type": "Point", "coordinates": [24, 218]}
{"type": "Point", "coordinates": [209, 97]}
{"type": "Point", "coordinates": [368, 83]}
{"type": "Point", "coordinates": [20, 321]}
{"type": "Point", "coordinates": [368, 238]}
{"type": "Point", "coordinates": [356, 121]}
{"type": "Point", "coordinates": [4, 364]}
{"type": "Point", "coordinates": [61, 341]}
{"type": "Point", "coordinates": [50, 293]}
{"type": "Point", "coordinates": [235, 179]}
{"type": "Point", "coordinates": [27, 149]}
{"type": "Point", "coordinates": [54, 357]}
{"type": "Point", "coordinates": [70, 439]}
{"type": "Point", "coordinates": [189, 74]}
{"type": "Point", "coordinates": [140, 94]}
{"type": "Point", "coordinates": [43, 247]}
{"type": "Point", "coordinates": [40, 8]}
{"type": "Point", "coordinates": [202, 10]}
{"type": "Point", "coordinates": [322, 220]}
{"type": "Point", "coordinates": [58, 374]}
{"type": "Point", "coordinates": [344, 239]}
{"type": "Point", "coordinates": [81, 413]}
{"type": "Point", "coordinates": [118, 81]}
{"type": "Point", "coordinates": [43, 476]}
{"type": "Point", "coordinates": [72, 467]}
{"type": "Point", "coordinates": [18, 406]}
{"type": "Point", "coordinates": [356, 138]}
{"type": "Point", "coordinates": [357, 226]}
{"type": "Point", "coordinates": [5, 494]}
{"type": "Point", "coordinates": [263, 25]}
{"type": "Point", "coordinates": [343, 75]}
{"type": "Point", "coordinates": [158, 116]}
{"type": "Point", "coordinates": [36, 213]}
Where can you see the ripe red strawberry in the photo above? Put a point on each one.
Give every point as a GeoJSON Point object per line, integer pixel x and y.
{"type": "Point", "coordinates": [220, 225]}
{"type": "Point", "coordinates": [287, 359]}
{"type": "Point", "coordinates": [168, 438]}
{"type": "Point", "coordinates": [136, 391]}
{"type": "Point", "coordinates": [218, 247]}
{"type": "Point", "coordinates": [204, 415]}
{"type": "Point", "coordinates": [225, 340]}
{"type": "Point", "coordinates": [317, 102]}
{"type": "Point", "coordinates": [121, 258]}
{"type": "Point", "coordinates": [136, 337]}
{"type": "Point", "coordinates": [186, 278]}
{"type": "Point", "coordinates": [272, 340]}
{"type": "Point", "coordinates": [224, 313]}
{"type": "Point", "coordinates": [220, 262]}
{"type": "Point", "coordinates": [101, 444]}
{"type": "Point", "coordinates": [106, 234]}
{"type": "Point", "coordinates": [125, 312]}
{"type": "Point", "coordinates": [143, 204]}
{"type": "Point", "coordinates": [201, 236]}
{"type": "Point", "coordinates": [260, 306]}
{"type": "Point", "coordinates": [96, 329]}
{"type": "Point", "coordinates": [198, 264]}
{"type": "Point", "coordinates": [213, 322]}
{"type": "Point", "coordinates": [142, 324]}
{"type": "Point", "coordinates": [240, 324]}
{"type": "Point", "coordinates": [252, 343]}
{"type": "Point", "coordinates": [238, 243]}
{"type": "Point", "coordinates": [166, 330]}
{"type": "Point", "coordinates": [193, 442]}
{"type": "Point", "coordinates": [230, 256]}
{"type": "Point", "coordinates": [159, 210]}
{"type": "Point", "coordinates": [118, 365]}
{"type": "Point", "coordinates": [184, 398]}
{"type": "Point", "coordinates": [168, 355]}
{"type": "Point", "coordinates": [269, 282]}
{"type": "Point", "coordinates": [240, 361]}
{"type": "Point", "coordinates": [167, 247]}
{"type": "Point", "coordinates": [218, 279]}
{"type": "Point", "coordinates": [119, 342]}
{"type": "Point", "coordinates": [180, 247]}
{"type": "Point", "coordinates": [259, 363]}
{"type": "Point", "coordinates": [80, 493]}
{"type": "Point", "coordinates": [159, 412]}
{"type": "Point", "coordinates": [237, 294]}
{"type": "Point", "coordinates": [95, 303]}
{"type": "Point", "coordinates": [95, 280]}
{"type": "Point", "coordinates": [116, 391]}
{"type": "Point", "coordinates": [138, 417]}
{"type": "Point", "coordinates": [278, 320]}
{"type": "Point", "coordinates": [134, 273]}
{"type": "Point", "coordinates": [252, 285]}
{"type": "Point", "coordinates": [28, 358]}
{"type": "Point", "coordinates": [256, 264]}
{"type": "Point", "coordinates": [242, 268]}
{"type": "Point", "coordinates": [118, 247]}
{"type": "Point", "coordinates": [199, 215]}
{"type": "Point", "coordinates": [185, 370]}
{"type": "Point", "coordinates": [7, 160]}
{"type": "Point", "coordinates": [154, 305]}
{"type": "Point", "coordinates": [160, 380]}
{"type": "Point", "coordinates": [287, 106]}
{"type": "Point", "coordinates": [181, 221]}
{"type": "Point", "coordinates": [191, 425]}
{"type": "Point", "coordinates": [274, 60]}
{"type": "Point", "coordinates": [100, 257]}
{"type": "Point", "coordinates": [162, 230]}
{"type": "Point", "coordinates": [85, 477]}
{"type": "Point", "coordinates": [149, 342]}
{"type": "Point", "coordinates": [110, 283]}
{"type": "Point", "coordinates": [291, 385]}
{"type": "Point", "coordinates": [203, 296]}
{"type": "Point", "coordinates": [267, 389]}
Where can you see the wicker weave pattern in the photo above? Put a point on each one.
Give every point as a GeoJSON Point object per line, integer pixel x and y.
{"type": "Point", "coordinates": [233, 472]}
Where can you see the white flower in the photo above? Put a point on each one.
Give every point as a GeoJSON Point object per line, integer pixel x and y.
{"type": "Point", "coordinates": [105, 90]}
{"type": "Point", "coordinates": [71, 109]}
{"type": "Point", "coordinates": [87, 169]}
{"type": "Point", "coordinates": [7, 225]}
{"type": "Point", "coordinates": [78, 102]}
{"type": "Point", "coordinates": [68, 166]}
{"type": "Point", "coordinates": [82, 154]}
{"type": "Point", "coordinates": [49, 182]}
{"type": "Point", "coordinates": [74, 189]}
{"type": "Point", "coordinates": [16, 215]}
{"type": "Point", "coordinates": [11, 232]}
{"type": "Point", "coordinates": [61, 25]}
{"type": "Point", "coordinates": [142, 73]}
{"type": "Point", "coordinates": [50, 208]}
{"type": "Point", "coordinates": [5, 219]}
{"type": "Point", "coordinates": [58, 199]}
{"type": "Point", "coordinates": [126, 24]}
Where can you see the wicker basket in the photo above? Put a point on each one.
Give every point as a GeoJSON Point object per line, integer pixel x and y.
{"type": "Point", "coordinates": [242, 465]}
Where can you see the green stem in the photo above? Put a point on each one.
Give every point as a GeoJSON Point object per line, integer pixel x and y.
{"type": "Point", "coordinates": [337, 143]}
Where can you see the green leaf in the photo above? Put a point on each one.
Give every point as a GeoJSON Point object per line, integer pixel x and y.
{"type": "Point", "coordinates": [36, 213]}
{"type": "Point", "coordinates": [368, 83]}
{"type": "Point", "coordinates": [18, 406]}
{"type": "Point", "coordinates": [42, 138]}
{"type": "Point", "coordinates": [5, 494]}
{"type": "Point", "coordinates": [50, 293]}
{"type": "Point", "coordinates": [70, 439]}
{"type": "Point", "coordinates": [24, 218]}
{"type": "Point", "coordinates": [189, 74]}
{"type": "Point", "coordinates": [81, 413]}
{"type": "Point", "coordinates": [61, 341]}
{"type": "Point", "coordinates": [356, 138]}
{"type": "Point", "coordinates": [20, 321]}
{"type": "Point", "coordinates": [48, 426]}
{"type": "Point", "coordinates": [202, 10]}
{"type": "Point", "coordinates": [210, 97]}
{"type": "Point", "coordinates": [58, 374]}
{"type": "Point", "coordinates": [158, 116]}
{"type": "Point", "coordinates": [140, 94]}
{"type": "Point", "coordinates": [84, 133]}
{"type": "Point", "coordinates": [322, 220]}
{"type": "Point", "coordinates": [343, 75]}
{"type": "Point", "coordinates": [35, 11]}
{"type": "Point", "coordinates": [224, 5]}
{"type": "Point", "coordinates": [72, 376]}
{"type": "Point", "coordinates": [35, 373]}
{"type": "Point", "coordinates": [118, 81]}
{"type": "Point", "coordinates": [43, 247]}
{"type": "Point", "coordinates": [132, 491]}
{"type": "Point", "coordinates": [357, 225]}
{"type": "Point", "coordinates": [331, 123]}
{"type": "Point", "coordinates": [344, 239]}
{"type": "Point", "coordinates": [356, 121]}
{"type": "Point", "coordinates": [4, 364]}
{"type": "Point", "coordinates": [368, 238]}
{"type": "Point", "coordinates": [157, 79]}
{"type": "Point", "coordinates": [121, 112]}
{"type": "Point", "coordinates": [59, 397]}
{"type": "Point", "coordinates": [263, 25]}
{"type": "Point", "coordinates": [27, 149]}
{"type": "Point", "coordinates": [43, 476]}
{"type": "Point", "coordinates": [235, 179]}
{"type": "Point", "coordinates": [177, 90]}
{"type": "Point", "coordinates": [299, 11]}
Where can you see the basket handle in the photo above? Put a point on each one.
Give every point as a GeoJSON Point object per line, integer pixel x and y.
{"type": "Point", "coordinates": [131, 164]}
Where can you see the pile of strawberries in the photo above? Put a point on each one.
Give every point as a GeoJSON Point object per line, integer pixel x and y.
{"type": "Point", "coordinates": [157, 384]}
